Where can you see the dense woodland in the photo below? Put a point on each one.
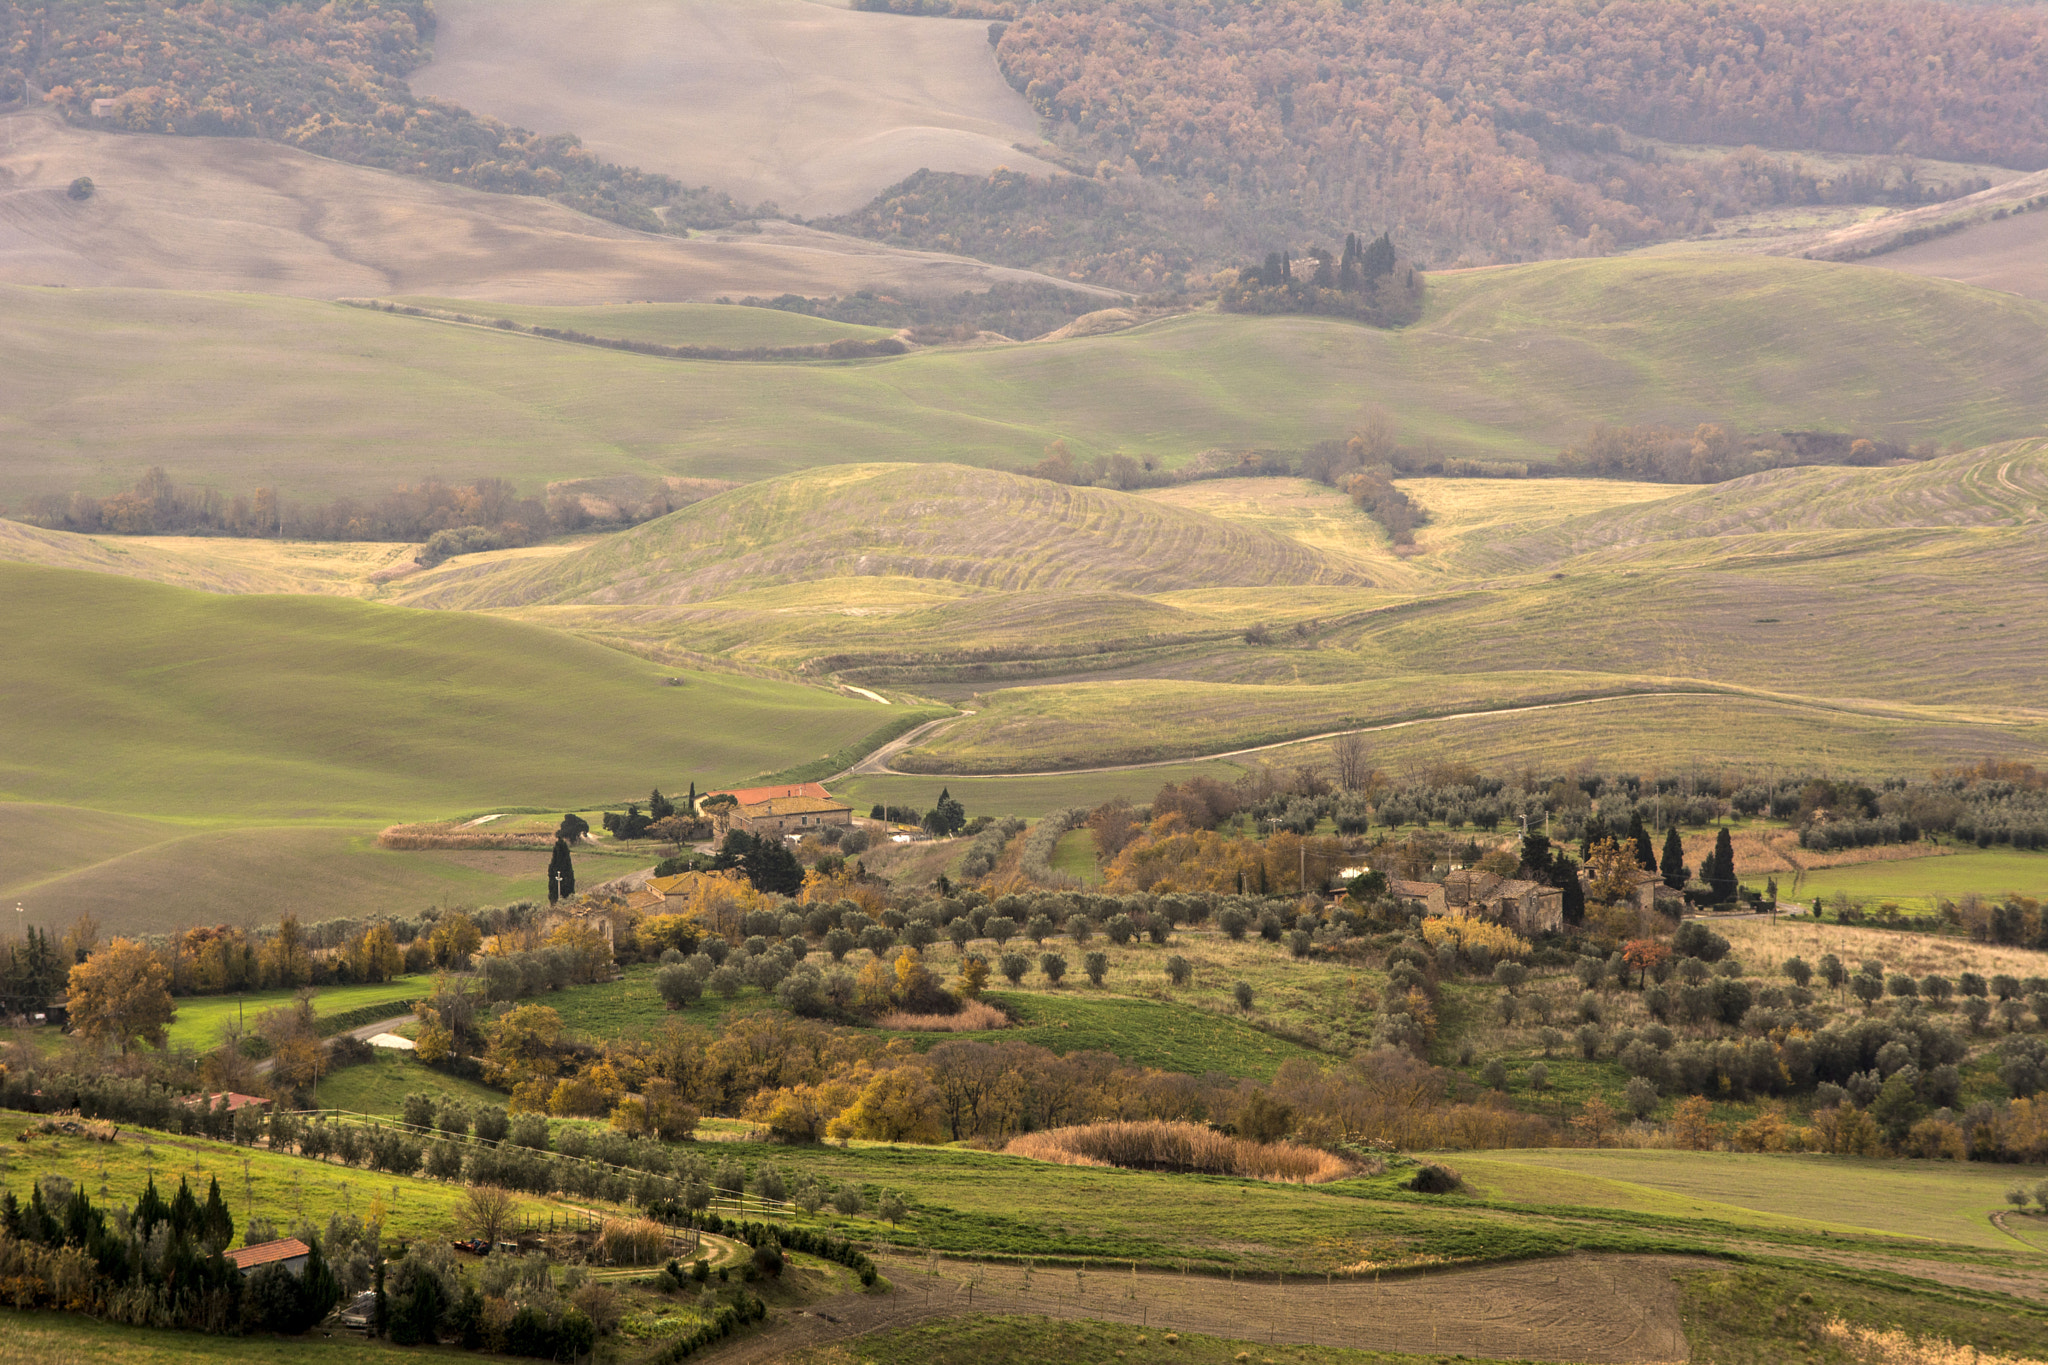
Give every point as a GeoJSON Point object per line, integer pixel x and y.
{"type": "Point", "coordinates": [330, 79]}
{"type": "Point", "coordinates": [1203, 132]}
{"type": "Point", "coordinates": [1474, 132]}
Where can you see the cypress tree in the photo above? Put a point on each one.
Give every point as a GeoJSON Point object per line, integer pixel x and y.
{"type": "Point", "coordinates": [216, 1225]}
{"type": "Point", "coordinates": [1673, 865]}
{"type": "Point", "coordinates": [1646, 853]}
{"type": "Point", "coordinates": [1722, 875]}
{"type": "Point", "coordinates": [561, 872]}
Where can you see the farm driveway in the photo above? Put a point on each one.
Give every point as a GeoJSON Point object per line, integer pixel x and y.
{"type": "Point", "coordinates": [1604, 1310]}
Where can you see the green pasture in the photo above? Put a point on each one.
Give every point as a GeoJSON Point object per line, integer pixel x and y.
{"type": "Point", "coordinates": [1075, 855]}
{"type": "Point", "coordinates": [1947, 1201]}
{"type": "Point", "coordinates": [282, 1188]}
{"type": "Point", "coordinates": [1026, 796]}
{"type": "Point", "coordinates": [242, 711]}
{"type": "Point", "coordinates": [1172, 1035]}
{"type": "Point", "coordinates": [69, 1339]}
{"type": "Point", "coordinates": [668, 324]}
{"type": "Point", "coordinates": [197, 757]}
{"type": "Point", "coordinates": [201, 1017]}
{"type": "Point", "coordinates": [257, 874]}
{"type": "Point", "coordinates": [1917, 883]}
{"type": "Point", "coordinates": [1757, 1315]}
{"type": "Point", "coordinates": [1508, 363]}
{"type": "Point", "coordinates": [380, 1086]}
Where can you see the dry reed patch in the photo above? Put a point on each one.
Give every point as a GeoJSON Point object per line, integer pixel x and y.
{"type": "Point", "coordinates": [1761, 946]}
{"type": "Point", "coordinates": [446, 834]}
{"type": "Point", "coordinates": [1774, 852]}
{"type": "Point", "coordinates": [1896, 1348]}
{"type": "Point", "coordinates": [631, 1241]}
{"type": "Point", "coordinates": [975, 1016]}
{"type": "Point", "coordinates": [1158, 1146]}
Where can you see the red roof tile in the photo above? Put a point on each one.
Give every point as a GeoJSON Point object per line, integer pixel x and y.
{"type": "Point", "coordinates": [263, 1253]}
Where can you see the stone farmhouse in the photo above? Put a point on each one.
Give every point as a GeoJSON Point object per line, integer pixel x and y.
{"type": "Point", "coordinates": [794, 809]}
{"type": "Point", "coordinates": [1526, 907]}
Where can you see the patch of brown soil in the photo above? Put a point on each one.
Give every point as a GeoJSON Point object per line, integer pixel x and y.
{"type": "Point", "coordinates": [813, 107]}
{"type": "Point", "coordinates": [1605, 1310]}
{"type": "Point", "coordinates": [252, 216]}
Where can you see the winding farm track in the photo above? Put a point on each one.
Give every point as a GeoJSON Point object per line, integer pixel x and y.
{"type": "Point", "coordinates": [878, 763]}
{"type": "Point", "coordinates": [1603, 1310]}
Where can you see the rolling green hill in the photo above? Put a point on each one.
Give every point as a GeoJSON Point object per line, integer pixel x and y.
{"type": "Point", "coordinates": [1508, 362]}
{"type": "Point", "coordinates": [949, 524]}
{"type": "Point", "coordinates": [168, 754]}
{"type": "Point", "coordinates": [289, 708]}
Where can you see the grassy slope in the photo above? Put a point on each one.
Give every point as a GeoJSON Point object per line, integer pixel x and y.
{"type": "Point", "coordinates": [1172, 1035]}
{"type": "Point", "coordinates": [210, 745]}
{"type": "Point", "coordinates": [1948, 1201]}
{"type": "Point", "coordinates": [380, 1086]}
{"type": "Point", "coordinates": [670, 324]}
{"type": "Point", "coordinates": [1508, 362]}
{"type": "Point", "coordinates": [296, 708]}
{"type": "Point", "coordinates": [944, 524]}
{"type": "Point", "coordinates": [284, 1188]}
{"type": "Point", "coordinates": [200, 1017]}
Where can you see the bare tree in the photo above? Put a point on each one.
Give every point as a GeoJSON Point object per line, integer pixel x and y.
{"type": "Point", "coordinates": [1350, 756]}
{"type": "Point", "coordinates": [485, 1213]}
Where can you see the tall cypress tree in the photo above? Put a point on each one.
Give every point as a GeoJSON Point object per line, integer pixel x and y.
{"type": "Point", "coordinates": [1676, 873]}
{"type": "Point", "coordinates": [1722, 875]}
{"type": "Point", "coordinates": [561, 873]}
{"type": "Point", "coordinates": [1646, 853]}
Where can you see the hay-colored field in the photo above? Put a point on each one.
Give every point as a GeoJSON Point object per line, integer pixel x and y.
{"type": "Point", "coordinates": [934, 523]}
{"type": "Point", "coordinates": [1508, 362]}
{"type": "Point", "coordinates": [251, 215]}
{"type": "Point", "coordinates": [669, 324]}
{"type": "Point", "coordinates": [2009, 254]}
{"type": "Point", "coordinates": [1942, 1200]}
{"type": "Point", "coordinates": [813, 107]}
{"type": "Point", "coordinates": [1762, 944]}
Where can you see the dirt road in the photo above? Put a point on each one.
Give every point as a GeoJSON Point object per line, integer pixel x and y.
{"type": "Point", "coordinates": [1604, 1310]}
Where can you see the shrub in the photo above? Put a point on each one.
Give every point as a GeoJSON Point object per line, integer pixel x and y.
{"type": "Point", "coordinates": [1156, 1145]}
{"type": "Point", "coordinates": [1178, 970]}
{"type": "Point", "coordinates": [1097, 967]}
{"type": "Point", "coordinates": [1053, 965]}
{"type": "Point", "coordinates": [81, 188]}
{"type": "Point", "coordinates": [1242, 993]}
{"type": "Point", "coordinates": [974, 1016]}
{"type": "Point", "coordinates": [1433, 1178]}
{"type": "Point", "coordinates": [1495, 1074]}
{"type": "Point", "coordinates": [678, 986]}
{"type": "Point", "coordinates": [1013, 966]}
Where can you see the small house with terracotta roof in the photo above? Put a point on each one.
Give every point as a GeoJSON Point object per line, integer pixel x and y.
{"type": "Point", "coordinates": [288, 1252]}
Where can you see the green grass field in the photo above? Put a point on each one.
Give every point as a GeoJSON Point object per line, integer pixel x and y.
{"type": "Point", "coordinates": [1917, 883]}
{"type": "Point", "coordinates": [252, 1180]}
{"type": "Point", "coordinates": [380, 1086]}
{"type": "Point", "coordinates": [1946, 1201]}
{"type": "Point", "coordinates": [209, 745]}
{"type": "Point", "coordinates": [1074, 1018]}
{"type": "Point", "coordinates": [1507, 362]}
{"type": "Point", "coordinates": [200, 1017]}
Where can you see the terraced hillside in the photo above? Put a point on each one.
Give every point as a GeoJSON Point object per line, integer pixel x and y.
{"type": "Point", "coordinates": [944, 524]}
{"type": "Point", "coordinates": [1511, 362]}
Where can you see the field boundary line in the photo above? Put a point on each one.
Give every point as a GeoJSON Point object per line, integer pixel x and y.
{"type": "Point", "coordinates": [878, 763]}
